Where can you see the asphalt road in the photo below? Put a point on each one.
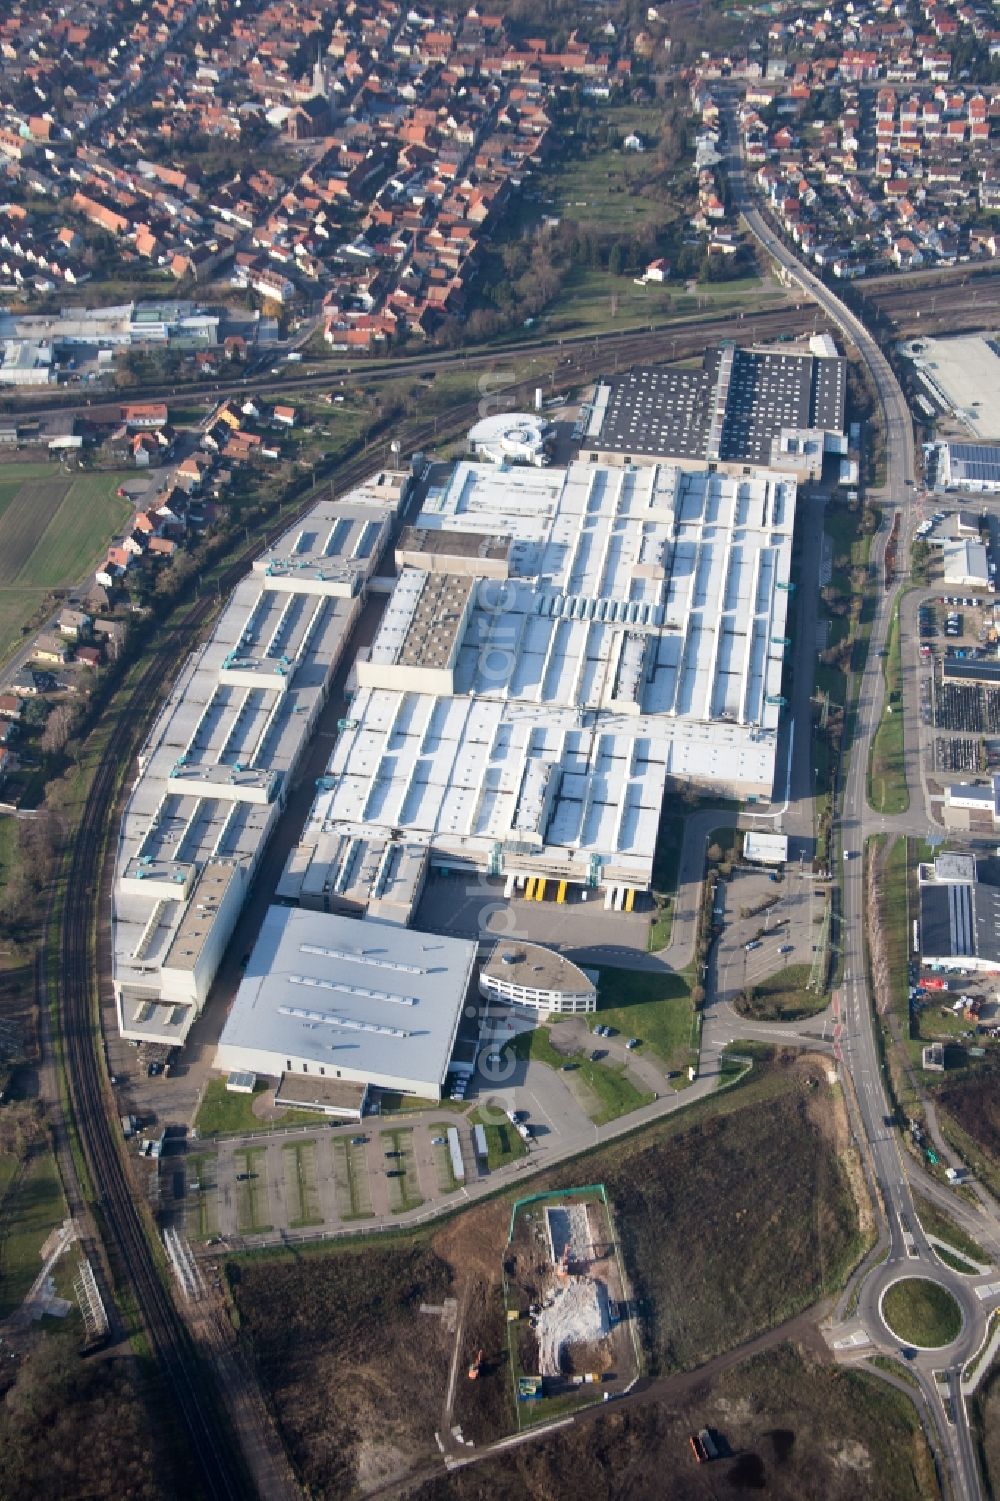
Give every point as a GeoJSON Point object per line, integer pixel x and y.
{"type": "Point", "coordinates": [908, 1250]}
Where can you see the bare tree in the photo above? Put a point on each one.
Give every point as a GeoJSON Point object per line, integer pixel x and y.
{"type": "Point", "coordinates": [57, 730]}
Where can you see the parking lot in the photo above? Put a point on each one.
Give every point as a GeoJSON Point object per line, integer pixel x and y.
{"type": "Point", "coordinates": [954, 716]}
{"type": "Point", "coordinates": [318, 1179]}
{"type": "Point", "coordinates": [769, 926]}
{"type": "Point", "coordinates": [328, 1176]}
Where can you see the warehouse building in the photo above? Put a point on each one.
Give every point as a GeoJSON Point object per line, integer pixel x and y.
{"type": "Point", "coordinates": [759, 406]}
{"type": "Point", "coordinates": [968, 466]}
{"type": "Point", "coordinates": [26, 362]}
{"type": "Point", "coordinates": [348, 1004]}
{"type": "Point", "coordinates": [966, 565]}
{"type": "Point", "coordinates": [973, 807]}
{"type": "Point", "coordinates": [530, 726]}
{"type": "Point", "coordinates": [216, 769]}
{"type": "Point", "coordinates": [959, 916]}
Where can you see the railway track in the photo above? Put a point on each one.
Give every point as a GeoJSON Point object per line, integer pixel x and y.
{"type": "Point", "coordinates": [81, 969]}
{"type": "Point", "coordinates": [942, 308]}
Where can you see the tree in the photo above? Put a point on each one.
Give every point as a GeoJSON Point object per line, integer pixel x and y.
{"type": "Point", "coordinates": [57, 730]}
{"type": "Point", "coordinates": [36, 711]}
{"type": "Point", "coordinates": [714, 854]}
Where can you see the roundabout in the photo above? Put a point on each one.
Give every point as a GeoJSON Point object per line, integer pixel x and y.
{"type": "Point", "coordinates": [921, 1313]}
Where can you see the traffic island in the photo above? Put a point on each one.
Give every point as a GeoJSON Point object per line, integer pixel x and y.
{"type": "Point", "coordinates": [921, 1313]}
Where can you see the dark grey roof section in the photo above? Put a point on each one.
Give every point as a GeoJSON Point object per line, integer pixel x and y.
{"type": "Point", "coordinates": [960, 921]}
{"type": "Point", "coordinates": [729, 410]}
{"type": "Point", "coordinates": [946, 920]}
{"type": "Point", "coordinates": [828, 402]}
{"type": "Point", "coordinates": [978, 670]}
{"type": "Point", "coordinates": [659, 412]}
{"type": "Point", "coordinates": [766, 393]}
{"type": "Point", "coordinates": [988, 923]}
{"type": "Point", "coordinates": [974, 463]}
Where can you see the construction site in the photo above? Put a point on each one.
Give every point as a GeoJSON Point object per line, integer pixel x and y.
{"type": "Point", "coordinates": [569, 1311]}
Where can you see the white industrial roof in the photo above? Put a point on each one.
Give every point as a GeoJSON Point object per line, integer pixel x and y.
{"type": "Point", "coordinates": [515, 436]}
{"type": "Point", "coordinates": [641, 636]}
{"type": "Point", "coordinates": [963, 373]}
{"type": "Point", "coordinates": [966, 563]}
{"type": "Point", "coordinates": [369, 998]}
{"type": "Point", "coordinates": [212, 771]}
{"type": "Point", "coordinates": [769, 849]}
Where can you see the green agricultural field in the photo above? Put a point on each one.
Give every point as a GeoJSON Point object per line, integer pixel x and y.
{"type": "Point", "coordinates": [54, 525]}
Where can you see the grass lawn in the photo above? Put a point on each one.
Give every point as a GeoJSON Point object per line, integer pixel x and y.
{"type": "Point", "coordinates": [956, 1262]}
{"type": "Point", "coordinates": [897, 928]}
{"type": "Point", "coordinates": [887, 790]}
{"type": "Point", "coordinates": [404, 1104]}
{"type": "Point", "coordinates": [404, 1191]}
{"type": "Point", "coordinates": [223, 1113]}
{"type": "Point", "coordinates": [594, 301]}
{"type": "Point", "coordinates": [783, 996]}
{"type": "Point", "coordinates": [18, 607]}
{"type": "Point", "coordinates": [654, 1007]}
{"type": "Point", "coordinates": [599, 188]}
{"type": "Point", "coordinates": [252, 1204]}
{"type": "Point", "coordinates": [503, 1144]}
{"type": "Point", "coordinates": [936, 1222]}
{"type": "Point", "coordinates": [612, 1090]}
{"type": "Point", "coordinates": [30, 1208]}
{"type": "Point", "coordinates": [922, 1313]}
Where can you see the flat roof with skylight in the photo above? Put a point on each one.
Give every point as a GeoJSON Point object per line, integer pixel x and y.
{"type": "Point", "coordinates": [215, 770]}
{"type": "Point", "coordinates": [732, 410]}
{"type": "Point", "coordinates": [639, 639]}
{"type": "Point", "coordinates": [341, 998]}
